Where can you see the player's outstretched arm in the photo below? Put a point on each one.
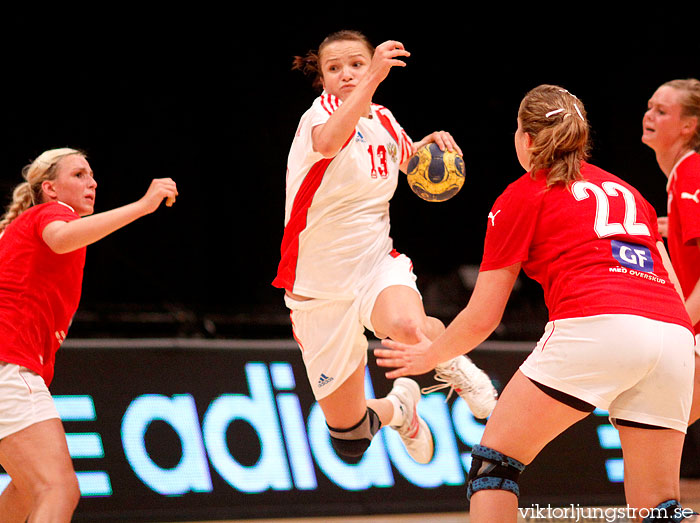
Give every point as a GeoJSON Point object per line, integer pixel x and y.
{"type": "Point", "coordinates": [63, 237]}
{"type": "Point", "coordinates": [470, 328]}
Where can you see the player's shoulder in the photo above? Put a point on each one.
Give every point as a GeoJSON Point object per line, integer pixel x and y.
{"type": "Point", "coordinates": [689, 166]}
{"type": "Point", "coordinates": [321, 108]}
{"type": "Point", "coordinates": [41, 209]}
{"type": "Point", "coordinates": [597, 174]}
{"type": "Point", "coordinates": [522, 195]}
{"type": "Point", "coordinates": [382, 109]}
{"type": "Point", "coordinates": [326, 103]}
{"type": "Point", "coordinates": [55, 209]}
{"type": "Point", "coordinates": [525, 185]}
{"type": "Point", "coordinates": [593, 173]}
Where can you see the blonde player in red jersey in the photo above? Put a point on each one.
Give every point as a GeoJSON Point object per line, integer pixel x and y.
{"type": "Point", "coordinates": [671, 127]}
{"type": "Point", "coordinates": [618, 336]}
{"type": "Point", "coordinates": [42, 253]}
{"type": "Point", "coordinates": [338, 265]}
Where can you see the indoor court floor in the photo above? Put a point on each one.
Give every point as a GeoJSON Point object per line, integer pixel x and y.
{"type": "Point", "coordinates": [690, 494]}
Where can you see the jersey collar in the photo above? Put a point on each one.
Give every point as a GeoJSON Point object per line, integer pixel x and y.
{"type": "Point", "coordinates": [672, 174]}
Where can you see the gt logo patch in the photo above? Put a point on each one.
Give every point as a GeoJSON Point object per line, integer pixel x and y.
{"type": "Point", "coordinates": [632, 256]}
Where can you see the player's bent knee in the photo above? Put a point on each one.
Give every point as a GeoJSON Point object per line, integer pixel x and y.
{"type": "Point", "coordinates": [65, 486]}
{"type": "Point", "coordinates": [403, 329]}
{"type": "Point", "coordinates": [351, 443]}
{"type": "Point", "coordinates": [493, 470]}
{"type": "Point", "coordinates": [75, 493]}
{"type": "Point", "coordinates": [669, 512]}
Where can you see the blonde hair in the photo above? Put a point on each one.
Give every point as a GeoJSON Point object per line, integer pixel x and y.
{"type": "Point", "coordinates": [556, 122]}
{"type": "Point", "coordinates": [690, 104]}
{"type": "Point", "coordinates": [29, 192]}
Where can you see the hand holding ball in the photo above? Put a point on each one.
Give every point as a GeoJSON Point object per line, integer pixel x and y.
{"type": "Point", "coordinates": [435, 175]}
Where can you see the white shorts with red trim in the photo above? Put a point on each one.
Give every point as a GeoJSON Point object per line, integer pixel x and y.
{"type": "Point", "coordinates": [24, 399]}
{"type": "Point", "coordinates": [331, 333]}
{"type": "Point", "coordinates": [636, 368]}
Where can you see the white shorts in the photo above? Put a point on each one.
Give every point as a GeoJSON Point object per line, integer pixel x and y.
{"type": "Point", "coordinates": [24, 399]}
{"type": "Point", "coordinates": [331, 333]}
{"type": "Point", "coordinates": [636, 368]}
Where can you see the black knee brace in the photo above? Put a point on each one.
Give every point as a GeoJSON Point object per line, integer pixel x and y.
{"type": "Point", "coordinates": [492, 470]}
{"type": "Point", "coordinates": [351, 444]}
{"type": "Point", "coordinates": [668, 512]}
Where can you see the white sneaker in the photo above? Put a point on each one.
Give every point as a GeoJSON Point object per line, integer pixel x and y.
{"type": "Point", "coordinates": [470, 382]}
{"type": "Point", "coordinates": [414, 431]}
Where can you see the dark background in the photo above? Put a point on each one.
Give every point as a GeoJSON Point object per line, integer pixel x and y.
{"type": "Point", "coordinates": [208, 97]}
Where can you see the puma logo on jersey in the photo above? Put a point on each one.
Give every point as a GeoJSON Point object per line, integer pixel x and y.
{"type": "Point", "coordinates": [688, 196]}
{"type": "Point", "coordinates": [492, 217]}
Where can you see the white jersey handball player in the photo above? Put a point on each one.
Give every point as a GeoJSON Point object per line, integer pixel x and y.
{"type": "Point", "coordinates": [338, 266]}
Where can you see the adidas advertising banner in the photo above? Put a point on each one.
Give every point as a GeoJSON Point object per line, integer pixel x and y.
{"type": "Point", "coordinates": [183, 430]}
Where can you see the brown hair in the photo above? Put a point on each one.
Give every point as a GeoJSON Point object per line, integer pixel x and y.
{"type": "Point", "coordinates": [29, 192]}
{"type": "Point", "coordinates": [556, 122]}
{"type": "Point", "coordinates": [690, 104]}
{"type": "Point", "coordinates": [310, 64]}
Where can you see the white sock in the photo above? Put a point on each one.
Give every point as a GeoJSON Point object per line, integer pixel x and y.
{"type": "Point", "coordinates": [398, 416]}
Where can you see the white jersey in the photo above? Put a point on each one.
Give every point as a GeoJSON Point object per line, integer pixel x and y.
{"type": "Point", "coordinates": [337, 209]}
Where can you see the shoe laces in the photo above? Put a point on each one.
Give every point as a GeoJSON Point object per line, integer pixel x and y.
{"type": "Point", "coordinates": [447, 377]}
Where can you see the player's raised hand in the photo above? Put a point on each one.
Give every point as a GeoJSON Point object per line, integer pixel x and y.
{"type": "Point", "coordinates": [406, 359]}
{"type": "Point", "coordinates": [159, 190]}
{"type": "Point", "coordinates": [386, 56]}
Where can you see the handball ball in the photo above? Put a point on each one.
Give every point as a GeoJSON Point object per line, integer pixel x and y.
{"type": "Point", "coordinates": [435, 175]}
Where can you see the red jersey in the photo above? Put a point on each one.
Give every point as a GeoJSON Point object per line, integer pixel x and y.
{"type": "Point", "coordinates": [592, 246]}
{"type": "Point", "coordinates": [684, 222]}
{"type": "Point", "coordinates": [39, 290]}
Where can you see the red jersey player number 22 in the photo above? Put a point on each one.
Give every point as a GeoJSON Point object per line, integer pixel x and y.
{"type": "Point", "coordinates": [571, 239]}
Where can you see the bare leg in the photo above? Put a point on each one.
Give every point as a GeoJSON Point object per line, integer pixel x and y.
{"type": "Point", "coordinates": [652, 465]}
{"type": "Point", "coordinates": [15, 505]}
{"type": "Point", "coordinates": [397, 312]}
{"type": "Point", "coordinates": [347, 405]}
{"type": "Point", "coordinates": [524, 421]}
{"type": "Point", "coordinates": [38, 461]}
{"type": "Point", "coordinates": [695, 407]}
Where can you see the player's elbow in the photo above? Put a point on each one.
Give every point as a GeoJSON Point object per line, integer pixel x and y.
{"type": "Point", "coordinates": [326, 148]}
{"type": "Point", "coordinates": [327, 142]}
{"type": "Point", "coordinates": [484, 323]}
{"type": "Point", "coordinates": [60, 247]}
{"type": "Point", "coordinates": [484, 328]}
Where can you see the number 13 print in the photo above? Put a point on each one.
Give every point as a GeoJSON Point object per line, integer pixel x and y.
{"type": "Point", "coordinates": [378, 161]}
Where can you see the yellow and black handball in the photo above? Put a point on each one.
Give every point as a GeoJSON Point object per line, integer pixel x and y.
{"type": "Point", "coordinates": [435, 175]}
